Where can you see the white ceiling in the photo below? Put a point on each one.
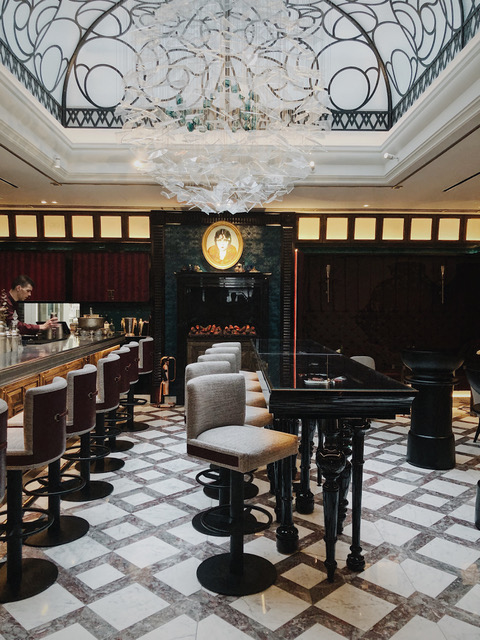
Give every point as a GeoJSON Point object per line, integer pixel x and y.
{"type": "Point", "coordinates": [436, 166]}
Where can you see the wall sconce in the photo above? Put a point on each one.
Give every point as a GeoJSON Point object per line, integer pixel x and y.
{"type": "Point", "coordinates": [57, 164]}
{"type": "Point", "coordinates": [442, 274]}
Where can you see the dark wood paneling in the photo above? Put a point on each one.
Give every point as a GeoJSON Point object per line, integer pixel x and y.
{"type": "Point", "coordinates": [381, 304]}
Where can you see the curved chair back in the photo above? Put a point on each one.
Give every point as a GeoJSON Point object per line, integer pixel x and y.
{"type": "Point", "coordinates": [125, 365]}
{"type": "Point", "coordinates": [134, 360]}
{"type": "Point", "coordinates": [367, 361]}
{"type": "Point", "coordinates": [81, 400]}
{"type": "Point", "coordinates": [145, 354]}
{"type": "Point", "coordinates": [215, 400]}
{"type": "Point", "coordinates": [3, 446]}
{"type": "Point", "coordinates": [235, 350]}
{"type": "Point", "coordinates": [229, 345]}
{"type": "Point", "coordinates": [196, 369]}
{"type": "Point", "coordinates": [220, 357]}
{"type": "Point", "coordinates": [108, 383]}
{"type": "Point", "coordinates": [44, 424]}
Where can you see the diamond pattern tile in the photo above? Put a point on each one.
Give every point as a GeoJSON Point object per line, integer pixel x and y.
{"type": "Point", "coordinates": [133, 576]}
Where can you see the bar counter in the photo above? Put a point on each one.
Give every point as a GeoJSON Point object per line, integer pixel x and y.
{"type": "Point", "coordinates": [37, 364]}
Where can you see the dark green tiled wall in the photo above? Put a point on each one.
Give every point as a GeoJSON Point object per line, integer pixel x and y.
{"type": "Point", "coordinates": [183, 247]}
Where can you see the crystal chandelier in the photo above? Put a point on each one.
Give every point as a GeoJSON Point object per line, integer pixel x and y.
{"type": "Point", "coordinates": [225, 103]}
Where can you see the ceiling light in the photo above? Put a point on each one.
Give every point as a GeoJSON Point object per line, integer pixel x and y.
{"type": "Point", "coordinates": [389, 156]}
{"type": "Point", "coordinates": [226, 115]}
{"type": "Point", "coordinates": [57, 163]}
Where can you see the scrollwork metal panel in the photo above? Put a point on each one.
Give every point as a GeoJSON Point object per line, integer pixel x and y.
{"type": "Point", "coordinates": [378, 55]}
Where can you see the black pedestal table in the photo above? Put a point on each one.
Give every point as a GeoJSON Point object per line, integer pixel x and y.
{"type": "Point", "coordinates": [431, 443]}
{"type": "Point", "coordinates": [309, 386]}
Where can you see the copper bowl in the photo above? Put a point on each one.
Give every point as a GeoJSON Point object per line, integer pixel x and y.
{"type": "Point", "coordinates": [90, 323]}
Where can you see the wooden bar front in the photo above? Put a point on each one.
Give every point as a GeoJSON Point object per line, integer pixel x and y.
{"type": "Point", "coordinates": [36, 365]}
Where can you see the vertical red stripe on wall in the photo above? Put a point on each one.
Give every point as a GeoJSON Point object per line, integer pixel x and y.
{"type": "Point", "coordinates": [47, 270]}
{"type": "Point", "coordinates": [111, 276]}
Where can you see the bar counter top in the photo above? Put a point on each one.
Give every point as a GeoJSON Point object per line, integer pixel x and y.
{"type": "Point", "coordinates": [33, 359]}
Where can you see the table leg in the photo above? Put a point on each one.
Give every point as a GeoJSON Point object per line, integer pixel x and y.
{"type": "Point", "coordinates": [287, 533]}
{"type": "Point", "coordinates": [304, 502]}
{"type": "Point", "coordinates": [346, 433]}
{"type": "Point", "coordinates": [331, 463]}
{"type": "Point", "coordinates": [355, 559]}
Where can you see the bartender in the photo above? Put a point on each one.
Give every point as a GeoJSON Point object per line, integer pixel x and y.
{"type": "Point", "coordinates": [20, 291]}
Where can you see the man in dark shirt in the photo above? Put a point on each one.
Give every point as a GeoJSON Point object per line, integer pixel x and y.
{"type": "Point", "coordinates": [20, 291]}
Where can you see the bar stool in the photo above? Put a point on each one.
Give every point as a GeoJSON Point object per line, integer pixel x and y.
{"type": "Point", "coordinates": [56, 485]}
{"type": "Point", "coordinates": [38, 441]}
{"type": "Point", "coordinates": [3, 447]}
{"type": "Point", "coordinates": [128, 402]}
{"type": "Point", "coordinates": [216, 480]}
{"type": "Point", "coordinates": [81, 402]}
{"type": "Point", "coordinates": [118, 417]}
{"type": "Point", "coordinates": [250, 384]}
{"type": "Point", "coordinates": [252, 398]}
{"type": "Point", "coordinates": [145, 362]}
{"type": "Point", "coordinates": [108, 399]}
{"type": "Point", "coordinates": [248, 375]}
{"type": "Point", "coordinates": [216, 433]}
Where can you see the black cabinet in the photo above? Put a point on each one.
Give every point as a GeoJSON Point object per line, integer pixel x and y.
{"type": "Point", "coordinates": [236, 304]}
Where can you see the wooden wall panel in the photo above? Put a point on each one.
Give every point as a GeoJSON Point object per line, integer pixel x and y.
{"type": "Point", "coordinates": [381, 304]}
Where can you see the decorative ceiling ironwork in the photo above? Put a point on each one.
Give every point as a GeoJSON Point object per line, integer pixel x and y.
{"type": "Point", "coordinates": [379, 55]}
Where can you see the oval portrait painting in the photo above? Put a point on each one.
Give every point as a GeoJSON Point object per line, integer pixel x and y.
{"type": "Point", "coordinates": [222, 245]}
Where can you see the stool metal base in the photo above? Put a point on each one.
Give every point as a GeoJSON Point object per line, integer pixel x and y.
{"type": "Point", "coordinates": [105, 465]}
{"type": "Point", "coordinates": [94, 490]}
{"type": "Point", "coordinates": [120, 445]}
{"type": "Point", "coordinates": [215, 575]}
{"type": "Point", "coordinates": [135, 427]}
{"type": "Point", "coordinates": [65, 529]}
{"type": "Point", "coordinates": [37, 575]}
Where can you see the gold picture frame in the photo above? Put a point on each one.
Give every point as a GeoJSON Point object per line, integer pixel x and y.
{"type": "Point", "coordinates": [222, 245]}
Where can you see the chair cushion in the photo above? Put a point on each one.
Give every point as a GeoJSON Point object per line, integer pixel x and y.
{"type": "Point", "coordinates": [257, 416]}
{"type": "Point", "coordinates": [252, 385]}
{"type": "Point", "coordinates": [242, 447]}
{"type": "Point", "coordinates": [249, 375]}
{"type": "Point", "coordinates": [255, 399]}
{"type": "Point", "coordinates": [16, 441]}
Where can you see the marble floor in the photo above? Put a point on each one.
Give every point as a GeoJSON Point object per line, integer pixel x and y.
{"type": "Point", "coordinates": [132, 577]}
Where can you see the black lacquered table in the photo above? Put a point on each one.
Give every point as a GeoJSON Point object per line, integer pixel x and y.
{"type": "Point", "coordinates": [308, 387]}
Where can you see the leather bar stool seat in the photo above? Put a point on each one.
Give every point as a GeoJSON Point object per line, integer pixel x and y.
{"type": "Point", "coordinates": [3, 447]}
{"type": "Point", "coordinates": [108, 400]}
{"type": "Point", "coordinates": [216, 433]}
{"type": "Point", "coordinates": [81, 418]}
{"type": "Point", "coordinates": [116, 421]}
{"type": "Point", "coordinates": [128, 401]}
{"type": "Point", "coordinates": [145, 364]}
{"type": "Point", "coordinates": [38, 441]}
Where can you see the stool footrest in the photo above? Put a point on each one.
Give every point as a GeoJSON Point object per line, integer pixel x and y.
{"type": "Point", "coordinates": [29, 527]}
{"type": "Point", "coordinates": [68, 482]}
{"type": "Point", "coordinates": [97, 451]}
